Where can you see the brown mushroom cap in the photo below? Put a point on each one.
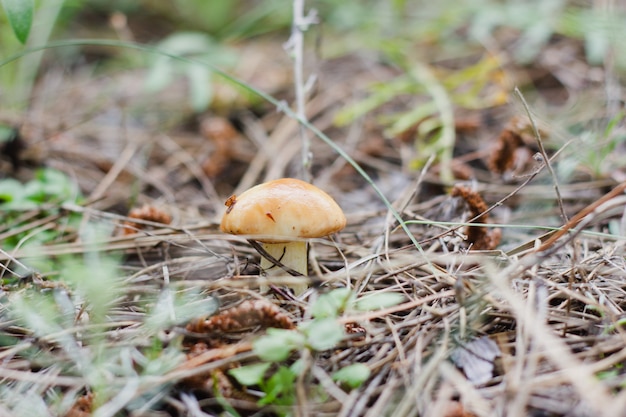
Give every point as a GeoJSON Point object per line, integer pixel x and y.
{"type": "Point", "coordinates": [285, 208]}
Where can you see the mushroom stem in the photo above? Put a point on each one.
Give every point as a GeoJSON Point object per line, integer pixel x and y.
{"type": "Point", "coordinates": [291, 254]}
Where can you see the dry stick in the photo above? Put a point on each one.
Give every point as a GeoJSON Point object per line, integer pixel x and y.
{"type": "Point", "coordinates": [619, 189]}
{"type": "Point", "coordinates": [189, 161]}
{"type": "Point", "coordinates": [543, 153]}
{"type": "Point", "coordinates": [274, 261]}
{"type": "Point", "coordinates": [580, 375]}
{"type": "Point", "coordinates": [300, 24]}
{"type": "Point", "coordinates": [402, 202]}
{"type": "Point", "coordinates": [119, 165]}
{"type": "Point", "coordinates": [29, 226]}
{"type": "Point", "coordinates": [110, 177]}
{"type": "Point", "coordinates": [302, 408]}
{"type": "Point", "coordinates": [270, 145]}
{"type": "Point", "coordinates": [214, 354]}
{"type": "Point", "coordinates": [43, 378]}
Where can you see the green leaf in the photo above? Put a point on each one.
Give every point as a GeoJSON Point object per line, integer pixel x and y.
{"type": "Point", "coordinates": [250, 374]}
{"type": "Point", "coordinates": [352, 375]}
{"type": "Point", "coordinates": [34, 190]}
{"type": "Point", "coordinates": [298, 367]}
{"type": "Point", "coordinates": [381, 94]}
{"type": "Point", "coordinates": [407, 120]}
{"type": "Point", "coordinates": [279, 388]}
{"type": "Point", "coordinates": [20, 15]}
{"type": "Point", "coordinates": [332, 303]}
{"type": "Point", "coordinates": [7, 133]}
{"type": "Point", "coordinates": [11, 190]}
{"type": "Point", "coordinates": [200, 85]}
{"type": "Point", "coordinates": [277, 344]}
{"type": "Point", "coordinates": [173, 307]}
{"type": "Point", "coordinates": [198, 46]}
{"type": "Point", "coordinates": [323, 334]}
{"type": "Point", "coordinates": [378, 300]}
{"type": "Point", "coordinates": [160, 75]}
{"type": "Point", "coordinates": [596, 46]}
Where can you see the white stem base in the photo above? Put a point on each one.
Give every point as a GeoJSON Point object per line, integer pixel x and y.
{"type": "Point", "coordinates": [291, 254]}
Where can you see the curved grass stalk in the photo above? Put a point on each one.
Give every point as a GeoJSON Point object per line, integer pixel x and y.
{"type": "Point", "coordinates": [280, 105]}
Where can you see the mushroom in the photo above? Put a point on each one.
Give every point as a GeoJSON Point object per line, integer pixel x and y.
{"type": "Point", "coordinates": [277, 212]}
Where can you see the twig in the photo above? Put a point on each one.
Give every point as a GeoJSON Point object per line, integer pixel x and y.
{"type": "Point", "coordinates": [302, 409]}
{"type": "Point", "coordinates": [274, 261]}
{"type": "Point", "coordinates": [212, 355]}
{"type": "Point", "coordinates": [580, 375]}
{"type": "Point", "coordinates": [299, 25]}
{"type": "Point", "coordinates": [621, 188]}
{"type": "Point", "coordinates": [542, 150]}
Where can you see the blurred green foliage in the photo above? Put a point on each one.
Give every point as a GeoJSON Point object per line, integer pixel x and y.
{"type": "Point", "coordinates": [43, 195]}
{"type": "Point", "coordinates": [20, 16]}
{"type": "Point", "coordinates": [49, 187]}
{"type": "Point", "coordinates": [402, 32]}
{"type": "Point", "coordinates": [321, 333]}
{"type": "Point", "coordinates": [457, 28]}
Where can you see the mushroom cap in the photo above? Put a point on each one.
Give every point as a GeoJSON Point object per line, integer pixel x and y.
{"type": "Point", "coordinates": [281, 210]}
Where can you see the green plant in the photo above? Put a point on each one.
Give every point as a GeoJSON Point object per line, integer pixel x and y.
{"type": "Point", "coordinates": [20, 16]}
{"type": "Point", "coordinates": [598, 147]}
{"type": "Point", "coordinates": [188, 44]}
{"type": "Point", "coordinates": [234, 20]}
{"type": "Point", "coordinates": [323, 332]}
{"type": "Point", "coordinates": [43, 195]}
{"type": "Point", "coordinates": [431, 117]}
{"type": "Point", "coordinates": [48, 187]}
{"type": "Point", "coordinates": [18, 78]}
{"type": "Point", "coordinates": [76, 324]}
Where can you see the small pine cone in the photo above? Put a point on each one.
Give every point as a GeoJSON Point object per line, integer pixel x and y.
{"type": "Point", "coordinates": [148, 213]}
{"type": "Point", "coordinates": [480, 237]}
{"type": "Point", "coordinates": [473, 200]}
{"type": "Point", "coordinates": [249, 314]}
{"type": "Point", "coordinates": [503, 157]}
{"type": "Point", "coordinates": [221, 132]}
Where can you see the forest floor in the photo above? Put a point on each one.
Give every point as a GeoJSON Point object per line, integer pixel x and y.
{"type": "Point", "coordinates": [499, 226]}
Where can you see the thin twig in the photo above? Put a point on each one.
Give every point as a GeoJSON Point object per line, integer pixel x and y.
{"type": "Point", "coordinates": [299, 25]}
{"type": "Point", "coordinates": [543, 153]}
{"type": "Point", "coordinates": [273, 261]}
{"type": "Point", "coordinates": [621, 188]}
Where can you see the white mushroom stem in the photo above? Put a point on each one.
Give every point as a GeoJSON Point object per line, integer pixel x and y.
{"type": "Point", "coordinates": [291, 254]}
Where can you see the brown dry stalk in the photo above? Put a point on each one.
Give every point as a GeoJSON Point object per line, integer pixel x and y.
{"type": "Point", "coordinates": [216, 379]}
{"type": "Point", "coordinates": [211, 355]}
{"type": "Point", "coordinates": [619, 189]}
{"type": "Point", "coordinates": [480, 237]}
{"type": "Point", "coordinates": [247, 315]}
